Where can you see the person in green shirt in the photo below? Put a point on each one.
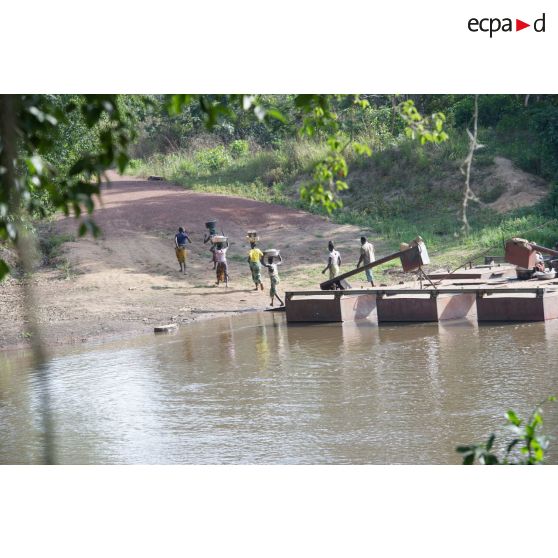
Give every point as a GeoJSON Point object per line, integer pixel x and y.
{"type": "Point", "coordinates": [254, 257]}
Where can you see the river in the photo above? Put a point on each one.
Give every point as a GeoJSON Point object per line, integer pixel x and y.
{"type": "Point", "coordinates": [252, 389]}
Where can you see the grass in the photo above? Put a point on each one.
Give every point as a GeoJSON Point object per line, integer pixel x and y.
{"type": "Point", "coordinates": [237, 258]}
{"type": "Point", "coordinates": [401, 191]}
{"type": "Point", "coordinates": [260, 174]}
{"type": "Point", "coordinates": [68, 272]}
{"type": "Point", "coordinates": [51, 244]}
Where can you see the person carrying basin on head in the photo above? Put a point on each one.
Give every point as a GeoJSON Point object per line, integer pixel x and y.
{"type": "Point", "coordinates": [273, 273]}
{"type": "Point", "coordinates": [254, 261]}
{"type": "Point", "coordinates": [366, 257]}
{"type": "Point", "coordinates": [180, 240]}
{"type": "Point", "coordinates": [221, 269]}
{"type": "Point", "coordinates": [211, 226]}
{"type": "Point", "coordinates": [333, 261]}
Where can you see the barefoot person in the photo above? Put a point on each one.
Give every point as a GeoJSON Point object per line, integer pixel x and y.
{"type": "Point", "coordinates": [222, 270]}
{"type": "Point", "coordinates": [180, 240]}
{"type": "Point", "coordinates": [254, 257]}
{"type": "Point", "coordinates": [212, 231]}
{"type": "Point", "coordinates": [333, 261]}
{"type": "Point", "coordinates": [366, 257]}
{"type": "Point", "coordinates": [273, 276]}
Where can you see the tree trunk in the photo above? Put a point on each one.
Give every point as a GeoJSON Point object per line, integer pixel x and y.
{"type": "Point", "coordinates": [25, 247]}
{"type": "Point", "coordinates": [465, 169]}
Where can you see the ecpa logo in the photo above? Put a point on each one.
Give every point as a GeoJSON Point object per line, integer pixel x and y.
{"type": "Point", "coordinates": [494, 24]}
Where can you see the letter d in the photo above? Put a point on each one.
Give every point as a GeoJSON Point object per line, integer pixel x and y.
{"type": "Point", "coordinates": [536, 24]}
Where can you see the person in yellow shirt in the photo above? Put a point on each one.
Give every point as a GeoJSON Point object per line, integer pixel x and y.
{"type": "Point", "coordinates": [254, 257]}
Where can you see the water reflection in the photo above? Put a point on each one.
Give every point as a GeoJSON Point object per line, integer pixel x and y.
{"type": "Point", "coordinates": [251, 389]}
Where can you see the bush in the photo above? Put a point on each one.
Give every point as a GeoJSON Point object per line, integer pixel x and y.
{"type": "Point", "coordinates": [185, 167]}
{"type": "Point", "coordinates": [239, 148]}
{"type": "Point", "coordinates": [51, 244]}
{"type": "Point", "coordinates": [134, 164]}
{"type": "Point", "coordinates": [274, 176]}
{"type": "Point", "coordinates": [492, 108]}
{"type": "Point", "coordinates": [213, 159]}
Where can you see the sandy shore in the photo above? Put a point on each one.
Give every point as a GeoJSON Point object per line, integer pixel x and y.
{"type": "Point", "coordinates": [127, 281]}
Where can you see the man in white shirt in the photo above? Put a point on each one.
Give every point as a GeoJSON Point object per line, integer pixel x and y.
{"type": "Point", "coordinates": [366, 257]}
{"type": "Point", "coordinates": [333, 261]}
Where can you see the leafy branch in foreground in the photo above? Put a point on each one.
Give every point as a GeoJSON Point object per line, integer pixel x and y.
{"type": "Point", "coordinates": [31, 183]}
{"type": "Point", "coordinates": [329, 173]}
{"type": "Point", "coordinates": [429, 129]}
{"type": "Point", "coordinates": [32, 179]}
{"type": "Point", "coordinates": [527, 447]}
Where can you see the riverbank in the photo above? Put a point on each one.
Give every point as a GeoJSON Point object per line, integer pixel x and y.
{"type": "Point", "coordinates": [401, 191]}
{"type": "Point", "coordinates": [127, 281]}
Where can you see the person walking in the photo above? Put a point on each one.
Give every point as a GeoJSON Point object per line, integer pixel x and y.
{"type": "Point", "coordinates": [180, 240]}
{"type": "Point", "coordinates": [366, 257]}
{"type": "Point", "coordinates": [212, 231]}
{"type": "Point", "coordinates": [333, 261]}
{"type": "Point", "coordinates": [254, 257]}
{"type": "Point", "coordinates": [221, 270]}
{"type": "Point", "coordinates": [273, 276]}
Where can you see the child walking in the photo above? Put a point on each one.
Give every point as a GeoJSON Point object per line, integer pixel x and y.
{"type": "Point", "coordinates": [273, 276]}
{"type": "Point", "coordinates": [222, 269]}
{"type": "Point", "coordinates": [180, 239]}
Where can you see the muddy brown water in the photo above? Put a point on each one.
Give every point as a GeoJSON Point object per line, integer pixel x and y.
{"type": "Point", "coordinates": [252, 389]}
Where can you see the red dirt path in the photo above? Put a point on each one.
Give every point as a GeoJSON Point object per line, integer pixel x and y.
{"type": "Point", "coordinates": [128, 280]}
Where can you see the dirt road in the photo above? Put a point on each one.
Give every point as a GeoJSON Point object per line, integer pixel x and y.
{"type": "Point", "coordinates": [128, 281]}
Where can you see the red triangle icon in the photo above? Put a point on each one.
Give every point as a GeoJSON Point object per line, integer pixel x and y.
{"type": "Point", "coordinates": [519, 25]}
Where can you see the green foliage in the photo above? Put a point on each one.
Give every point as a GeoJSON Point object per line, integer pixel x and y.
{"type": "Point", "coordinates": [492, 108]}
{"type": "Point", "coordinates": [239, 148]}
{"type": "Point", "coordinates": [318, 117]}
{"type": "Point", "coordinates": [426, 129]}
{"type": "Point", "coordinates": [527, 134]}
{"type": "Point", "coordinates": [46, 172]}
{"type": "Point", "coordinates": [216, 108]}
{"type": "Point", "coordinates": [526, 447]}
{"type": "Point", "coordinates": [327, 177]}
{"type": "Point", "coordinates": [4, 268]}
{"type": "Point", "coordinates": [134, 164]}
{"type": "Point", "coordinates": [330, 172]}
{"type": "Point", "coordinates": [213, 159]}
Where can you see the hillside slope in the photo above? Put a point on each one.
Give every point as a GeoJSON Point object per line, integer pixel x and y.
{"type": "Point", "coordinates": [399, 192]}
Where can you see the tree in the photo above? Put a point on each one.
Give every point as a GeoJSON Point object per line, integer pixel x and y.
{"type": "Point", "coordinates": [30, 127]}
{"type": "Point", "coordinates": [465, 168]}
